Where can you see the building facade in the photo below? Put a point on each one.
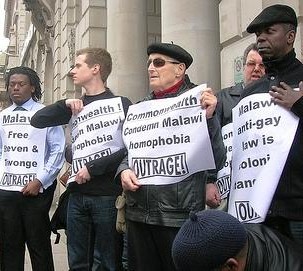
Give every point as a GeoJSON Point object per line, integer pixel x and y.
{"type": "Point", "coordinates": [44, 35]}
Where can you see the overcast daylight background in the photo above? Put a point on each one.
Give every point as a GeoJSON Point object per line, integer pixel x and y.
{"type": "Point", "coordinates": [3, 40]}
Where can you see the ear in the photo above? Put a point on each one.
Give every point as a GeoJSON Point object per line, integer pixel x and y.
{"type": "Point", "coordinates": [291, 35]}
{"type": "Point", "coordinates": [96, 68]}
{"type": "Point", "coordinates": [180, 70]}
{"type": "Point", "coordinates": [33, 89]}
{"type": "Point", "coordinates": [231, 265]}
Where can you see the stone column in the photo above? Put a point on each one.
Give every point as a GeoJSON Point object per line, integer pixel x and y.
{"type": "Point", "coordinates": [127, 41]}
{"type": "Point", "coordinates": [195, 27]}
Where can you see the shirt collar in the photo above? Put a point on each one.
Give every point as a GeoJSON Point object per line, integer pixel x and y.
{"type": "Point", "coordinates": [27, 105]}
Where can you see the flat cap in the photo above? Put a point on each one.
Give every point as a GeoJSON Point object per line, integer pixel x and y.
{"type": "Point", "coordinates": [172, 50]}
{"type": "Point", "coordinates": [272, 15]}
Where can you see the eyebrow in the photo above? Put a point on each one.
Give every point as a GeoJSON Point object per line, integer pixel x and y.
{"type": "Point", "coordinates": [19, 82]}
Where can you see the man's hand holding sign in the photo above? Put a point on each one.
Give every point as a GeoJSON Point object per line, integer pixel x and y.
{"type": "Point", "coordinates": [285, 95]}
{"type": "Point", "coordinates": [129, 180]}
{"type": "Point", "coordinates": [76, 105]}
{"type": "Point", "coordinates": [208, 102]}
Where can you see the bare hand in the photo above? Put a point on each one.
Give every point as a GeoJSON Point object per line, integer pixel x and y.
{"type": "Point", "coordinates": [129, 180]}
{"type": "Point", "coordinates": [213, 198]}
{"type": "Point", "coordinates": [285, 95]}
{"type": "Point", "coordinates": [76, 105]}
{"type": "Point", "coordinates": [32, 188]}
{"type": "Point", "coordinates": [208, 102]}
{"type": "Point", "coordinates": [82, 176]}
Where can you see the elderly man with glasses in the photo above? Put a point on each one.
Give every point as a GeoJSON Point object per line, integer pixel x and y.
{"type": "Point", "coordinates": [154, 213]}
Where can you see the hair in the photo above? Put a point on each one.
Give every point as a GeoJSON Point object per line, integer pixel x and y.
{"type": "Point", "coordinates": [98, 56]}
{"type": "Point", "coordinates": [251, 47]}
{"type": "Point", "coordinates": [32, 76]}
{"type": "Point", "coordinates": [240, 256]}
{"type": "Point", "coordinates": [289, 27]}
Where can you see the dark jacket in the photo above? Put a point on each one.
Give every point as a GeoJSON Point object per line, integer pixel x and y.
{"type": "Point", "coordinates": [102, 170]}
{"type": "Point", "coordinates": [269, 250]}
{"type": "Point", "coordinates": [288, 199]}
{"type": "Point", "coordinates": [228, 98]}
{"type": "Point", "coordinates": [169, 205]}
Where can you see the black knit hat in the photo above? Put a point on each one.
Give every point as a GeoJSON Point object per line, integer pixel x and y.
{"type": "Point", "coordinates": [273, 15]}
{"type": "Point", "coordinates": [206, 240]}
{"type": "Point", "coordinates": [172, 50]}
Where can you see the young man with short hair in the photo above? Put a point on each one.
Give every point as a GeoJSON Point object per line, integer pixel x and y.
{"type": "Point", "coordinates": [92, 240]}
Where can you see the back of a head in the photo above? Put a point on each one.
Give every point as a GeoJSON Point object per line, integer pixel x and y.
{"type": "Point", "coordinates": [206, 240]}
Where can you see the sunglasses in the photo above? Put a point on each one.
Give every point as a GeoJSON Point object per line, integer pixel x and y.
{"type": "Point", "coordinates": [159, 62]}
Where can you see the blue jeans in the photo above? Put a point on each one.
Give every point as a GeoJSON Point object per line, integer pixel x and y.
{"type": "Point", "coordinates": [92, 240]}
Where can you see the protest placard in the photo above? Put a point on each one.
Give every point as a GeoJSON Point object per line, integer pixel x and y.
{"type": "Point", "coordinates": [96, 132]}
{"type": "Point", "coordinates": [167, 139]}
{"type": "Point", "coordinates": [263, 133]}
{"type": "Point", "coordinates": [22, 149]}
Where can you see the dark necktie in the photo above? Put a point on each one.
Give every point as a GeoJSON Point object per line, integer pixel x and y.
{"type": "Point", "coordinates": [20, 108]}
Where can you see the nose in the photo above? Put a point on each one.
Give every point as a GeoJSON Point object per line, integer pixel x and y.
{"type": "Point", "coordinates": [149, 63]}
{"type": "Point", "coordinates": [71, 71]}
{"type": "Point", "coordinates": [151, 67]}
{"type": "Point", "coordinates": [260, 37]}
{"type": "Point", "coordinates": [15, 86]}
{"type": "Point", "coordinates": [257, 66]}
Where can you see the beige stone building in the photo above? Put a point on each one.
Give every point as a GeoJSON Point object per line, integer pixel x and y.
{"type": "Point", "coordinates": [44, 35]}
{"type": "Point", "coordinates": [3, 97]}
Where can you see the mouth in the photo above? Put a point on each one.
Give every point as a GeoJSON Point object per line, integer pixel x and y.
{"type": "Point", "coordinates": [15, 95]}
{"type": "Point", "coordinates": [255, 77]}
{"type": "Point", "coordinates": [263, 49]}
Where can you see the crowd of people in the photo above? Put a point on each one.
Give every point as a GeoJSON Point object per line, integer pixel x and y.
{"type": "Point", "coordinates": [164, 154]}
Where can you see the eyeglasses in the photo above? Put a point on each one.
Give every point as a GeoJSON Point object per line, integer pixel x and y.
{"type": "Point", "coordinates": [253, 65]}
{"type": "Point", "coordinates": [159, 62]}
